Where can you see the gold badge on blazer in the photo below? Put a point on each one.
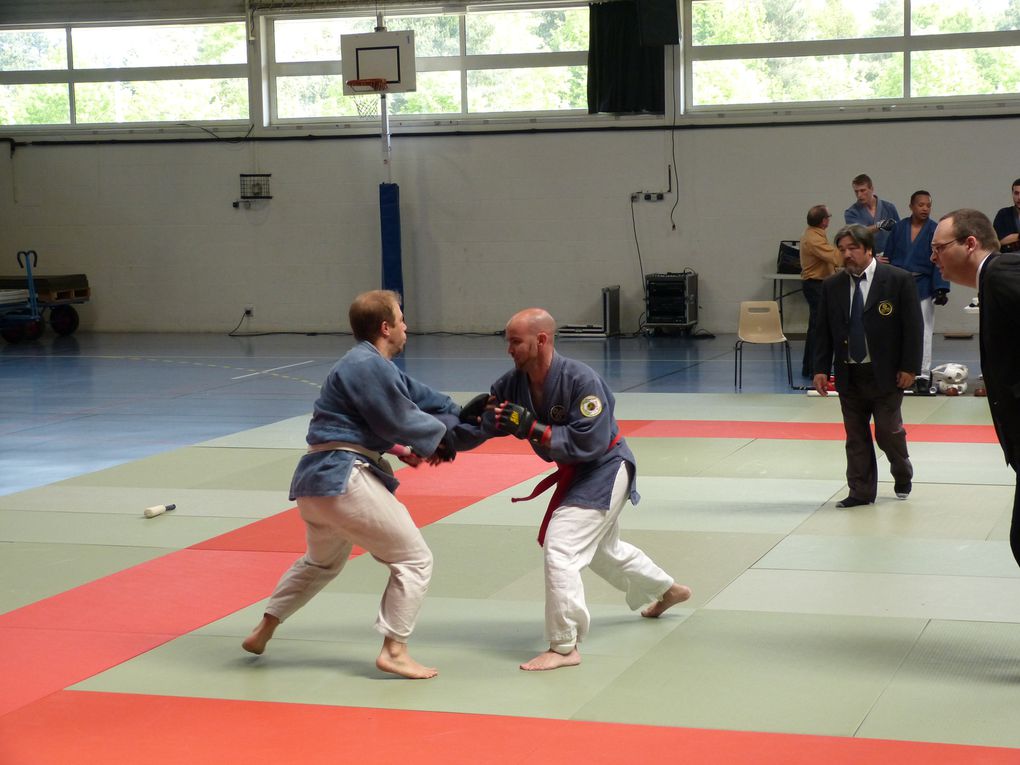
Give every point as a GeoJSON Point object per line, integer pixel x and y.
{"type": "Point", "coordinates": [885, 308]}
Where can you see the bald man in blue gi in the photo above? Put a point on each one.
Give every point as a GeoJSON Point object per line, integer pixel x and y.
{"type": "Point", "coordinates": [565, 411]}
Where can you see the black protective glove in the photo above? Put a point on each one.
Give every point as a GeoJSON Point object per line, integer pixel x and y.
{"type": "Point", "coordinates": [941, 296]}
{"type": "Point", "coordinates": [445, 451]}
{"type": "Point", "coordinates": [886, 224]}
{"type": "Point", "coordinates": [521, 423]}
{"type": "Point", "coordinates": [473, 410]}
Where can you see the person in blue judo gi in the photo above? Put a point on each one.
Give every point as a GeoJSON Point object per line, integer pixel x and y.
{"type": "Point", "coordinates": [565, 411]}
{"type": "Point", "coordinates": [344, 487]}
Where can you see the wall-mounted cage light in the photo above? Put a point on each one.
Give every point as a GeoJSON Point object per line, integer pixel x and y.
{"type": "Point", "coordinates": [256, 186]}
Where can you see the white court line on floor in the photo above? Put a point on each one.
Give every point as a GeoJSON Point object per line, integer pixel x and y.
{"type": "Point", "coordinates": [274, 369]}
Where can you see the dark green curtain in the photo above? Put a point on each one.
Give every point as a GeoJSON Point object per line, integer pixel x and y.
{"type": "Point", "coordinates": [624, 77]}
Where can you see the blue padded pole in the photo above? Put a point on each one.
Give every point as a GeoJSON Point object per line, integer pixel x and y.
{"type": "Point", "coordinates": [389, 225]}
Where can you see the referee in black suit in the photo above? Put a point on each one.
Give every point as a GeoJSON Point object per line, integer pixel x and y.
{"type": "Point", "coordinates": [870, 329]}
{"type": "Point", "coordinates": [964, 248]}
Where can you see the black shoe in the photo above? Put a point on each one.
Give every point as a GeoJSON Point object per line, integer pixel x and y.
{"type": "Point", "coordinates": [903, 490]}
{"type": "Point", "coordinates": [923, 387]}
{"type": "Point", "coordinates": [852, 502]}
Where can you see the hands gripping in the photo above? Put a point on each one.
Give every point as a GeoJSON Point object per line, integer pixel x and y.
{"type": "Point", "coordinates": [521, 423]}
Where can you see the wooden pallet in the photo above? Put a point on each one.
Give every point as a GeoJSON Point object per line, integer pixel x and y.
{"type": "Point", "coordinates": [59, 296]}
{"type": "Point", "coordinates": [60, 288]}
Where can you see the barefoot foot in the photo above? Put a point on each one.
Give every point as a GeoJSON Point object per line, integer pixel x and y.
{"type": "Point", "coordinates": [263, 632]}
{"type": "Point", "coordinates": [678, 593]}
{"type": "Point", "coordinates": [552, 660]}
{"type": "Point", "coordinates": [395, 659]}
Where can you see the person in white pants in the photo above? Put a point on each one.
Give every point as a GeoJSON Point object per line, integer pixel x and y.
{"type": "Point", "coordinates": [345, 489]}
{"type": "Point", "coordinates": [565, 411]}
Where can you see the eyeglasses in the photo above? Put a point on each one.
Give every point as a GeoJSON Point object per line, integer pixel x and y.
{"type": "Point", "coordinates": [936, 249]}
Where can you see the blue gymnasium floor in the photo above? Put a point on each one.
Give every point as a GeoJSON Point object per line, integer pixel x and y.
{"type": "Point", "coordinates": [881, 623]}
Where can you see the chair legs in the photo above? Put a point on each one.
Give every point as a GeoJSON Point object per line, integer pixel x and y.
{"type": "Point", "coordinates": [789, 365]}
{"type": "Point", "coordinates": [738, 364]}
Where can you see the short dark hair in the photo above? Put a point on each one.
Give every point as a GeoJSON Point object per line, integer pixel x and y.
{"type": "Point", "coordinates": [1016, 183]}
{"type": "Point", "coordinates": [968, 222]}
{"type": "Point", "coordinates": [369, 310]}
{"type": "Point", "coordinates": [862, 180]}
{"type": "Point", "coordinates": [858, 233]}
{"type": "Point", "coordinates": [919, 193]}
{"type": "Point", "coordinates": [817, 214]}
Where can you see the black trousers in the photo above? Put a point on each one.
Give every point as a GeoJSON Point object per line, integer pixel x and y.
{"type": "Point", "coordinates": [813, 294]}
{"type": "Point", "coordinates": [861, 401]}
{"type": "Point", "coordinates": [1014, 529]}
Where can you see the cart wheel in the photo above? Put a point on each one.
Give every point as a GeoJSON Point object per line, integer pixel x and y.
{"type": "Point", "coordinates": [13, 334]}
{"type": "Point", "coordinates": [63, 319]}
{"type": "Point", "coordinates": [34, 329]}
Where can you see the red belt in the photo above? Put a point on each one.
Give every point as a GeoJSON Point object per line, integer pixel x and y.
{"type": "Point", "coordinates": [563, 478]}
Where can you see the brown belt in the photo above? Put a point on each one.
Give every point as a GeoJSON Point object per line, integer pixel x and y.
{"type": "Point", "coordinates": [376, 458]}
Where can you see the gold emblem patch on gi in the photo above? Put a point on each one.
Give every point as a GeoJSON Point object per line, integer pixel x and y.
{"type": "Point", "coordinates": [591, 406]}
{"type": "Point", "coordinates": [885, 308]}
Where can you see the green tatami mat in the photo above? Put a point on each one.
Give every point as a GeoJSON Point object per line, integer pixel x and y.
{"type": "Point", "coordinates": [956, 463]}
{"type": "Point", "coordinates": [319, 666]}
{"type": "Point", "coordinates": [165, 531]}
{"type": "Point", "coordinates": [769, 506]}
{"type": "Point", "coordinates": [706, 562]}
{"type": "Point", "coordinates": [933, 510]}
{"type": "Point", "coordinates": [286, 434]}
{"type": "Point", "coordinates": [223, 503]}
{"type": "Point", "coordinates": [792, 673]}
{"type": "Point", "coordinates": [958, 685]}
{"type": "Point", "coordinates": [479, 626]}
{"type": "Point", "coordinates": [750, 407]}
{"type": "Point", "coordinates": [892, 555]}
{"type": "Point", "coordinates": [683, 456]}
{"type": "Point", "coordinates": [32, 571]}
{"type": "Point", "coordinates": [766, 458]}
{"type": "Point", "coordinates": [198, 467]}
{"type": "Point", "coordinates": [913, 596]}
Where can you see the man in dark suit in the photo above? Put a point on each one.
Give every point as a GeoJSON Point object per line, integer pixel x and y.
{"type": "Point", "coordinates": [869, 324]}
{"type": "Point", "coordinates": [964, 248]}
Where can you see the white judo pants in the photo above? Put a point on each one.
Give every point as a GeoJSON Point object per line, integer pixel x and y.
{"type": "Point", "coordinates": [579, 537]}
{"type": "Point", "coordinates": [928, 314]}
{"type": "Point", "coordinates": [369, 516]}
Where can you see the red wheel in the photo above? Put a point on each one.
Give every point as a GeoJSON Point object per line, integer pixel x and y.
{"type": "Point", "coordinates": [34, 329]}
{"type": "Point", "coordinates": [13, 334]}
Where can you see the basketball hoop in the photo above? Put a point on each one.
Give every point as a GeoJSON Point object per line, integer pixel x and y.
{"type": "Point", "coordinates": [366, 105]}
{"type": "Point", "coordinates": [371, 84]}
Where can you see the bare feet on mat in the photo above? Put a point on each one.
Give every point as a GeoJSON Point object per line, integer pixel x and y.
{"type": "Point", "coordinates": [395, 659]}
{"type": "Point", "coordinates": [263, 632]}
{"type": "Point", "coordinates": [678, 593]}
{"type": "Point", "coordinates": [552, 660]}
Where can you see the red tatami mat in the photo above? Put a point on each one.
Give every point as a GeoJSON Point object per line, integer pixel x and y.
{"type": "Point", "coordinates": [806, 431]}
{"type": "Point", "coordinates": [89, 728]}
{"type": "Point", "coordinates": [56, 642]}
{"type": "Point", "coordinates": [429, 493]}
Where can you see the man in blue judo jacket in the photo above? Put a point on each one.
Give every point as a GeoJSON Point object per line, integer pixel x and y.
{"type": "Point", "coordinates": [565, 411]}
{"type": "Point", "coordinates": [345, 489]}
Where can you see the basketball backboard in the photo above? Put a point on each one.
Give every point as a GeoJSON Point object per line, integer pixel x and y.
{"type": "Point", "coordinates": [384, 55]}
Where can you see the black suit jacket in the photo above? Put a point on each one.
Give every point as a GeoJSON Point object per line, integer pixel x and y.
{"type": "Point", "coordinates": [892, 324]}
{"type": "Point", "coordinates": [999, 297]}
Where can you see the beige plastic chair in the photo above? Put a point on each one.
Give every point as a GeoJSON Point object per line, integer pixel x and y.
{"type": "Point", "coordinates": [760, 322]}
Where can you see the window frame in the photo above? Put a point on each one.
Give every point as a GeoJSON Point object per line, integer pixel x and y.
{"type": "Point", "coordinates": [905, 44]}
{"type": "Point", "coordinates": [462, 63]}
{"type": "Point", "coordinates": [71, 76]}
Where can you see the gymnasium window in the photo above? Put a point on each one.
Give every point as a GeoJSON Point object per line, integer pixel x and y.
{"type": "Point", "coordinates": [472, 63]}
{"type": "Point", "coordinates": [746, 54]}
{"type": "Point", "coordinates": [112, 75]}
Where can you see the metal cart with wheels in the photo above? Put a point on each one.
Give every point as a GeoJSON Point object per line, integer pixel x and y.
{"type": "Point", "coordinates": [25, 300]}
